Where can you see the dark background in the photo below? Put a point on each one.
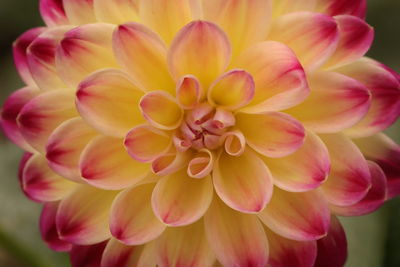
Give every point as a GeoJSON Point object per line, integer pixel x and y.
{"type": "Point", "coordinates": [374, 240]}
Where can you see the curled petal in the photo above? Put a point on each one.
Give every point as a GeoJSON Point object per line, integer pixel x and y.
{"type": "Point", "coordinates": [188, 92]}
{"type": "Point", "coordinates": [170, 162]}
{"type": "Point", "coordinates": [298, 216]}
{"type": "Point", "coordinates": [280, 81]}
{"type": "Point", "coordinates": [179, 200]}
{"type": "Point", "coordinates": [87, 255]}
{"type": "Point", "coordinates": [41, 184]}
{"type": "Point", "coordinates": [385, 90]}
{"type": "Point", "coordinates": [232, 90]}
{"type": "Point", "coordinates": [235, 143]}
{"type": "Point", "coordinates": [386, 153]}
{"type": "Point", "coordinates": [132, 220]}
{"type": "Point", "coordinates": [161, 110]}
{"type": "Point", "coordinates": [202, 49]}
{"type": "Point", "coordinates": [20, 47]}
{"type": "Point", "coordinates": [287, 6]}
{"type": "Point", "coordinates": [285, 252]}
{"type": "Point", "coordinates": [312, 36]}
{"type": "Point", "coordinates": [118, 254]}
{"type": "Point", "coordinates": [84, 50]}
{"type": "Point", "coordinates": [243, 182]}
{"type": "Point", "coordinates": [184, 246]}
{"type": "Point", "coordinates": [65, 146]}
{"type": "Point", "coordinates": [41, 115]}
{"type": "Point", "coordinates": [96, 98]}
{"type": "Point", "coordinates": [145, 143]}
{"type": "Point", "coordinates": [340, 7]}
{"type": "Point", "coordinates": [79, 12]}
{"type": "Point", "coordinates": [375, 197]}
{"type": "Point", "coordinates": [336, 102]}
{"type": "Point", "coordinates": [349, 179]}
{"type": "Point", "coordinates": [285, 134]}
{"type": "Point", "coordinates": [201, 165]}
{"type": "Point", "coordinates": [332, 249]}
{"type": "Point", "coordinates": [9, 114]}
{"type": "Point", "coordinates": [237, 239]}
{"type": "Point", "coordinates": [245, 22]}
{"type": "Point", "coordinates": [305, 169]}
{"type": "Point", "coordinates": [82, 217]}
{"type": "Point", "coordinates": [104, 163]}
{"type": "Point", "coordinates": [143, 55]}
{"type": "Point", "coordinates": [41, 58]}
{"type": "Point", "coordinates": [355, 39]}
{"type": "Point", "coordinates": [48, 230]}
{"type": "Point", "coordinates": [116, 12]}
{"type": "Point", "coordinates": [53, 13]}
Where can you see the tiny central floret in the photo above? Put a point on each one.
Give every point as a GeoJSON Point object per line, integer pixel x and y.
{"type": "Point", "coordinates": [204, 127]}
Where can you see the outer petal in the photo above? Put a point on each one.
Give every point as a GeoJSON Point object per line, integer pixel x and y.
{"type": "Point", "coordinates": [232, 90]}
{"type": "Point", "coordinates": [52, 12]}
{"type": "Point", "coordinates": [179, 200]}
{"type": "Point", "coordinates": [79, 11]}
{"type": "Point", "coordinates": [287, 6]}
{"type": "Point", "coordinates": [349, 179]}
{"type": "Point", "coordinates": [305, 169]}
{"type": "Point", "coordinates": [237, 239]}
{"type": "Point", "coordinates": [332, 249]}
{"type": "Point", "coordinates": [132, 220]}
{"type": "Point", "coordinates": [9, 114]}
{"type": "Point", "coordinates": [84, 50]}
{"type": "Point", "coordinates": [20, 47]}
{"type": "Point", "coordinates": [48, 228]}
{"type": "Point", "coordinates": [202, 49]}
{"type": "Point", "coordinates": [285, 252]}
{"type": "Point", "coordinates": [117, 12]}
{"type": "Point", "coordinates": [386, 153]}
{"type": "Point", "coordinates": [104, 163]}
{"type": "Point", "coordinates": [280, 81]}
{"type": "Point", "coordinates": [87, 256]}
{"type": "Point", "coordinates": [245, 22]}
{"type": "Point", "coordinates": [82, 217]}
{"type": "Point", "coordinates": [244, 182]}
{"type": "Point", "coordinates": [41, 115]}
{"type": "Point", "coordinates": [142, 54]}
{"type": "Point", "coordinates": [118, 254]}
{"type": "Point", "coordinates": [272, 134]}
{"type": "Point", "coordinates": [385, 89]}
{"type": "Point", "coordinates": [97, 97]}
{"type": "Point", "coordinates": [297, 216]}
{"type": "Point", "coordinates": [145, 143]}
{"type": "Point", "coordinates": [41, 184]}
{"type": "Point", "coordinates": [375, 197]}
{"type": "Point", "coordinates": [184, 246]}
{"type": "Point", "coordinates": [165, 17]}
{"type": "Point", "coordinates": [336, 103]}
{"type": "Point", "coordinates": [312, 36]}
{"type": "Point", "coordinates": [41, 58]}
{"type": "Point", "coordinates": [355, 39]}
{"type": "Point", "coordinates": [338, 7]}
{"type": "Point", "coordinates": [65, 146]}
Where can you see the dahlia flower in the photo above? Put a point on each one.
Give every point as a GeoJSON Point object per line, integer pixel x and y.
{"type": "Point", "coordinates": [203, 132]}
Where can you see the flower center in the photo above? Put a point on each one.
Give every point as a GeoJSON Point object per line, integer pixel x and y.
{"type": "Point", "coordinates": [204, 127]}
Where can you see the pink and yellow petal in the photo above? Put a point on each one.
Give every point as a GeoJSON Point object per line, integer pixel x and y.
{"type": "Point", "coordinates": [341, 7]}
{"type": "Point", "coordinates": [235, 143]}
{"type": "Point", "coordinates": [189, 91]}
{"type": "Point", "coordinates": [104, 163]}
{"type": "Point", "coordinates": [143, 54]}
{"type": "Point", "coordinates": [305, 169]}
{"type": "Point", "coordinates": [171, 162]}
{"type": "Point", "coordinates": [82, 217]}
{"type": "Point", "coordinates": [202, 49]}
{"type": "Point", "coordinates": [180, 200]}
{"type": "Point", "coordinates": [297, 216]}
{"type": "Point", "coordinates": [237, 239]}
{"type": "Point", "coordinates": [201, 164]}
{"type": "Point", "coordinates": [243, 182]}
{"type": "Point", "coordinates": [87, 255]}
{"type": "Point", "coordinates": [96, 98]}
{"type": "Point", "coordinates": [53, 12]}
{"type": "Point", "coordinates": [79, 11]}
{"type": "Point", "coordinates": [312, 36]}
{"type": "Point", "coordinates": [116, 12]}
{"type": "Point", "coordinates": [285, 134]}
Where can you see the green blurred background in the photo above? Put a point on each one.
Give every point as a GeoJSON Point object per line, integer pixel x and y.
{"type": "Point", "coordinates": [374, 240]}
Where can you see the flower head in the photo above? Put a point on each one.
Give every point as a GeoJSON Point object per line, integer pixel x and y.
{"type": "Point", "coordinates": [188, 132]}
